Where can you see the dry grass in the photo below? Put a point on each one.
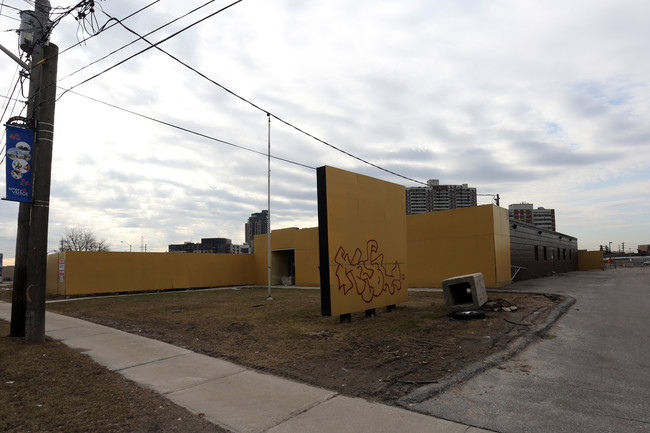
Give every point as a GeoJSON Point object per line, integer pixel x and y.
{"type": "Point", "coordinates": [49, 387]}
{"type": "Point", "coordinates": [373, 358]}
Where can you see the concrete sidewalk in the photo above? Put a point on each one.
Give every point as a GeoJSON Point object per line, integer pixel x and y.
{"type": "Point", "coordinates": [236, 398]}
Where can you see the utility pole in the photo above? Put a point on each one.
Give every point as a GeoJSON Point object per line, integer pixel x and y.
{"type": "Point", "coordinates": [17, 327]}
{"type": "Point", "coordinates": [38, 227]}
{"type": "Point", "coordinates": [28, 299]}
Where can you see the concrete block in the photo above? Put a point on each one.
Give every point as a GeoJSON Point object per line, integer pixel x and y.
{"type": "Point", "coordinates": [465, 292]}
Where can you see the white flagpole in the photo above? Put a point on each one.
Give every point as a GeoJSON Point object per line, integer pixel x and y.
{"type": "Point", "coordinates": [268, 236]}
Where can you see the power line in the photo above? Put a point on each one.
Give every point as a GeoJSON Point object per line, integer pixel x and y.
{"type": "Point", "coordinates": [156, 45]}
{"type": "Point", "coordinates": [10, 17]}
{"type": "Point", "coordinates": [358, 158]}
{"type": "Point", "coordinates": [103, 28]}
{"type": "Point", "coordinates": [12, 91]}
{"type": "Point", "coordinates": [267, 112]}
{"type": "Point", "coordinates": [135, 40]}
{"type": "Point", "coordinates": [67, 10]}
{"type": "Point", "coordinates": [85, 9]}
{"type": "Point", "coordinates": [148, 48]}
{"type": "Point", "coordinates": [190, 131]}
{"type": "Point", "coordinates": [9, 98]}
{"type": "Point", "coordinates": [4, 131]}
{"type": "Point", "coordinates": [10, 7]}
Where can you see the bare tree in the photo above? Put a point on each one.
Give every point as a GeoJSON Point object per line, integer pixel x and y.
{"type": "Point", "coordinates": [81, 240]}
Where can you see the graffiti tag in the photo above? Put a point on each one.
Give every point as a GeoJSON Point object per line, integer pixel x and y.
{"type": "Point", "coordinates": [367, 276]}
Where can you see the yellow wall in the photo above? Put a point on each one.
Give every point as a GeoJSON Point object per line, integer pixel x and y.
{"type": "Point", "coordinates": [105, 272]}
{"type": "Point", "coordinates": [456, 242]}
{"type": "Point", "coordinates": [52, 276]}
{"type": "Point", "coordinates": [366, 242]}
{"type": "Point", "coordinates": [304, 242]}
{"type": "Point", "coordinates": [588, 260]}
{"type": "Point", "coordinates": [440, 245]}
{"type": "Point", "coordinates": [502, 264]}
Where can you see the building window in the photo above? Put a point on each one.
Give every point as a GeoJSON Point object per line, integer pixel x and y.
{"type": "Point", "coordinates": [545, 254]}
{"type": "Point", "coordinates": [536, 253]}
{"type": "Point", "coordinates": [563, 253]}
{"type": "Point", "coordinates": [558, 253]}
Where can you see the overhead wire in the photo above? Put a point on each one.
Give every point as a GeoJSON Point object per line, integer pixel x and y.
{"type": "Point", "coordinates": [81, 8]}
{"type": "Point", "coordinates": [149, 47]}
{"type": "Point", "coordinates": [268, 113]}
{"type": "Point", "coordinates": [2, 6]}
{"type": "Point", "coordinates": [285, 122]}
{"type": "Point", "coordinates": [168, 123]}
{"type": "Point", "coordinates": [135, 40]}
{"type": "Point", "coordinates": [11, 18]}
{"type": "Point", "coordinates": [10, 93]}
{"type": "Point", "coordinates": [105, 27]}
{"type": "Point", "coordinates": [10, 7]}
{"type": "Point", "coordinates": [9, 99]}
{"type": "Point", "coordinates": [190, 131]}
{"type": "Point", "coordinates": [64, 11]}
{"type": "Point", "coordinates": [86, 8]}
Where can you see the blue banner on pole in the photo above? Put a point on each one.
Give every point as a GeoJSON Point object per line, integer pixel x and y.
{"type": "Point", "coordinates": [19, 163]}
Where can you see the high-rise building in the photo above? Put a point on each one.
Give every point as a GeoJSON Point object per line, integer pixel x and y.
{"type": "Point", "coordinates": [540, 217]}
{"type": "Point", "coordinates": [419, 200]}
{"type": "Point", "coordinates": [435, 197]}
{"type": "Point", "coordinates": [258, 224]}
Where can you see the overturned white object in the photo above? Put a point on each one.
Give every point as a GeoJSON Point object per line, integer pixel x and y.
{"type": "Point", "coordinates": [465, 292]}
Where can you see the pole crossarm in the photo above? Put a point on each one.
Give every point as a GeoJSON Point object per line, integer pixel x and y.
{"type": "Point", "coordinates": [14, 57]}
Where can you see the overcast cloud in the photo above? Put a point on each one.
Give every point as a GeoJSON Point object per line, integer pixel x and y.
{"type": "Point", "coordinates": [545, 102]}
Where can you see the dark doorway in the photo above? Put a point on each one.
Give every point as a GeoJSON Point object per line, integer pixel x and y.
{"type": "Point", "coordinates": [284, 267]}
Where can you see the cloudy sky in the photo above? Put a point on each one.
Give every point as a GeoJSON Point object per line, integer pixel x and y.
{"type": "Point", "coordinates": [543, 101]}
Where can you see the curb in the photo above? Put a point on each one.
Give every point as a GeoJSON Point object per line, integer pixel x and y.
{"type": "Point", "coordinates": [431, 390]}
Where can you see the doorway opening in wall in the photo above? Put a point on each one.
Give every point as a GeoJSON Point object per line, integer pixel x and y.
{"type": "Point", "coordinates": [284, 267]}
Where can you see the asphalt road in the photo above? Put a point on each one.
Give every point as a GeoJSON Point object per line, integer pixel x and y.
{"type": "Point", "coordinates": [591, 373]}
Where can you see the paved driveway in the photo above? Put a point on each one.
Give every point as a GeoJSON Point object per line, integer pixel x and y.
{"type": "Point", "coordinates": [590, 374]}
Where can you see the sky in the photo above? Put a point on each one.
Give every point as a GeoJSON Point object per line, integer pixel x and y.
{"type": "Point", "coordinates": [542, 101]}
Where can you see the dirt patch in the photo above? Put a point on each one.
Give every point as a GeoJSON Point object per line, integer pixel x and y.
{"type": "Point", "coordinates": [380, 358]}
{"type": "Point", "coordinates": [51, 388]}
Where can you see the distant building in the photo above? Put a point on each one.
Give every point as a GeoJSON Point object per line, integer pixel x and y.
{"type": "Point", "coordinates": [436, 197]}
{"type": "Point", "coordinates": [241, 249]}
{"type": "Point", "coordinates": [207, 245]}
{"type": "Point", "coordinates": [258, 224]}
{"type": "Point", "coordinates": [537, 252]}
{"type": "Point", "coordinates": [216, 245]}
{"type": "Point", "coordinates": [643, 249]}
{"type": "Point", "coordinates": [7, 273]}
{"type": "Point", "coordinates": [185, 247]}
{"type": "Point", "coordinates": [540, 217]}
{"type": "Point", "coordinates": [419, 200]}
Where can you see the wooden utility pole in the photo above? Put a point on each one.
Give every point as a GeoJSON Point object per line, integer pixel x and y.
{"type": "Point", "coordinates": [17, 327]}
{"type": "Point", "coordinates": [38, 227]}
{"type": "Point", "coordinates": [28, 299]}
